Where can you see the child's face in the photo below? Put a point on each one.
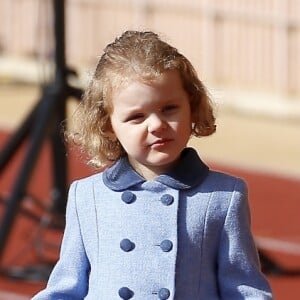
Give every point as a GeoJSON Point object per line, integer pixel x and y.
{"type": "Point", "coordinates": [152, 122]}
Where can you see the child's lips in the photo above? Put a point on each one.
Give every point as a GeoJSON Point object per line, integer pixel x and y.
{"type": "Point", "coordinates": [160, 143]}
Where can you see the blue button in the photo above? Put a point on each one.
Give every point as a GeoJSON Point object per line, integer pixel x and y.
{"type": "Point", "coordinates": [163, 294]}
{"type": "Point", "coordinates": [167, 199]}
{"type": "Point", "coordinates": [128, 197]}
{"type": "Point", "coordinates": [166, 245]}
{"type": "Point", "coordinates": [126, 293]}
{"type": "Point", "coordinates": [126, 245]}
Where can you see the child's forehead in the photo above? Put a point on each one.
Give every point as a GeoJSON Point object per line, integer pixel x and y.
{"type": "Point", "coordinates": [168, 83]}
{"type": "Point", "coordinates": [121, 82]}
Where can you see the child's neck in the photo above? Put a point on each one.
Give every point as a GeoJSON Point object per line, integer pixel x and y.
{"type": "Point", "coordinates": [150, 172]}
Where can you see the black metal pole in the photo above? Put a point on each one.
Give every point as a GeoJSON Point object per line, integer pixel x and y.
{"type": "Point", "coordinates": [59, 191]}
{"type": "Point", "coordinates": [18, 191]}
{"type": "Point", "coordinates": [59, 35]}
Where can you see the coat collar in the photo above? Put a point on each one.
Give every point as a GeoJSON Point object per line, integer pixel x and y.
{"type": "Point", "coordinates": [190, 171]}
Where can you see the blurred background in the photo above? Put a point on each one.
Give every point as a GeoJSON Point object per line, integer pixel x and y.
{"type": "Point", "coordinates": [247, 53]}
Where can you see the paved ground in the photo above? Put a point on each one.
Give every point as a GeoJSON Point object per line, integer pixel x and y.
{"type": "Point", "coordinates": [11, 296]}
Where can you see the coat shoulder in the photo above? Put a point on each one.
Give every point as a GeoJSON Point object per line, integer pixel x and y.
{"type": "Point", "coordinates": [225, 182]}
{"type": "Point", "coordinates": [85, 183]}
{"type": "Point", "coordinates": [82, 191]}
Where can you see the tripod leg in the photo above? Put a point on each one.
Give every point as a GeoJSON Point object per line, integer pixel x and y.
{"type": "Point", "coordinates": [60, 181]}
{"type": "Point", "coordinates": [38, 133]}
{"type": "Point", "coordinates": [15, 141]}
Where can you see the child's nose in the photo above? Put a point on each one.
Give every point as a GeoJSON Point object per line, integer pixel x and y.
{"type": "Point", "coordinates": [156, 123]}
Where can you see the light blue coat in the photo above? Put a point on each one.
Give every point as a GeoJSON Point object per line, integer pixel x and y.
{"type": "Point", "coordinates": [185, 235]}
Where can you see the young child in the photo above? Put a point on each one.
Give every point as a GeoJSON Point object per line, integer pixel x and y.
{"type": "Point", "coordinates": [157, 223]}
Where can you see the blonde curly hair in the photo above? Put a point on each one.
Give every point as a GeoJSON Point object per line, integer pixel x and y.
{"type": "Point", "coordinates": [135, 55]}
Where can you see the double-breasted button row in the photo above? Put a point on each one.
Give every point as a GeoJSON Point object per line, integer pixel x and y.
{"type": "Point", "coordinates": [126, 293]}
{"type": "Point", "coordinates": [129, 197]}
{"type": "Point", "coordinates": [127, 245]}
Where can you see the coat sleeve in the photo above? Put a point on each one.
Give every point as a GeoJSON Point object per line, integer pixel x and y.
{"type": "Point", "coordinates": [239, 274]}
{"type": "Point", "coordinates": [69, 278]}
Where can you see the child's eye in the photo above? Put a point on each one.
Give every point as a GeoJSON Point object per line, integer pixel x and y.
{"type": "Point", "coordinates": [170, 108]}
{"type": "Point", "coordinates": [135, 118]}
